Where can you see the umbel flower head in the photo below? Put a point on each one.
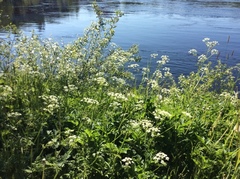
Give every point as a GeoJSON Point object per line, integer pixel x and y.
{"type": "Point", "coordinates": [161, 157]}
{"type": "Point", "coordinates": [127, 161]}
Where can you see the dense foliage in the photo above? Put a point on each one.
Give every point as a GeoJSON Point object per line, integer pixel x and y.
{"type": "Point", "coordinates": [75, 111]}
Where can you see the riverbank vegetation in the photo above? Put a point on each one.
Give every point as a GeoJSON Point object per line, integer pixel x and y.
{"type": "Point", "coordinates": [77, 111]}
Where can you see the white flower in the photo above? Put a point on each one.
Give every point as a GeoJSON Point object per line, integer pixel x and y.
{"type": "Point", "coordinates": [155, 131]}
{"type": "Point", "coordinates": [204, 69]}
{"type": "Point", "coordinates": [100, 74]}
{"type": "Point", "coordinates": [158, 74]}
{"type": "Point", "coordinates": [165, 91]}
{"type": "Point", "coordinates": [72, 140]}
{"type": "Point", "coordinates": [133, 66]}
{"type": "Point", "coordinates": [164, 60]}
{"type": "Point", "coordinates": [101, 81]}
{"type": "Point", "coordinates": [161, 157]}
{"type": "Point", "coordinates": [167, 74]}
{"type": "Point", "coordinates": [115, 105]}
{"type": "Point", "coordinates": [146, 124]}
{"type": "Point", "coordinates": [154, 55]}
{"type": "Point", "coordinates": [158, 114]}
{"type": "Point", "coordinates": [166, 69]}
{"type": "Point", "coordinates": [139, 105]}
{"type": "Point", "coordinates": [186, 114]}
{"type": "Point", "coordinates": [206, 39]}
{"type": "Point", "coordinates": [153, 84]}
{"type": "Point", "coordinates": [159, 97]}
{"type": "Point", "coordinates": [145, 70]}
{"type": "Point", "coordinates": [119, 80]}
{"type": "Point", "coordinates": [14, 114]}
{"type": "Point", "coordinates": [51, 102]}
{"type": "Point", "coordinates": [44, 161]}
{"type": "Point", "coordinates": [202, 58]}
{"type": "Point", "coordinates": [68, 131]}
{"type": "Point", "coordinates": [117, 96]}
{"type": "Point", "coordinates": [193, 52]}
{"type": "Point", "coordinates": [70, 88]}
{"type": "Point", "coordinates": [6, 90]}
{"type": "Point", "coordinates": [134, 123]}
{"type": "Point", "coordinates": [90, 101]}
{"type": "Point", "coordinates": [211, 44]}
{"type": "Point", "coordinates": [214, 52]}
{"type": "Point", "coordinates": [127, 161]}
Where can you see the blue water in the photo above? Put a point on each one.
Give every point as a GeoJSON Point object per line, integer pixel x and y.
{"type": "Point", "coordinates": [166, 27]}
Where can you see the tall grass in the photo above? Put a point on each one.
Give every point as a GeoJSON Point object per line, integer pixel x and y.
{"type": "Point", "coordinates": [73, 111]}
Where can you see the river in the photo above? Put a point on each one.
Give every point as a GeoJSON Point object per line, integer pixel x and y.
{"type": "Point", "coordinates": [166, 27]}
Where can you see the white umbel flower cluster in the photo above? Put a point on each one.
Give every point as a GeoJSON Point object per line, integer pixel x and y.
{"type": "Point", "coordinates": [161, 157]}
{"type": "Point", "coordinates": [51, 102]}
{"type": "Point", "coordinates": [117, 96]}
{"type": "Point", "coordinates": [127, 161]}
{"type": "Point", "coordinates": [90, 101]}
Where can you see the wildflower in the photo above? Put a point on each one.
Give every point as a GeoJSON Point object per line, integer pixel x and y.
{"type": "Point", "coordinates": [167, 74]}
{"type": "Point", "coordinates": [53, 142]}
{"type": "Point", "coordinates": [65, 88]}
{"type": "Point", "coordinates": [161, 157]}
{"type": "Point", "coordinates": [72, 140]}
{"type": "Point", "coordinates": [101, 81]}
{"type": "Point", "coordinates": [70, 88]}
{"type": "Point", "coordinates": [204, 69]}
{"type": "Point", "coordinates": [131, 95]}
{"type": "Point", "coordinates": [214, 52]}
{"type": "Point", "coordinates": [165, 91]}
{"type": "Point", "coordinates": [153, 84]}
{"type": "Point", "coordinates": [119, 80]}
{"type": "Point", "coordinates": [100, 74]}
{"type": "Point", "coordinates": [186, 114]}
{"type": "Point", "coordinates": [154, 55]}
{"type": "Point", "coordinates": [87, 119]}
{"type": "Point", "coordinates": [211, 44]}
{"type": "Point", "coordinates": [225, 94]}
{"type": "Point", "coordinates": [193, 52]}
{"type": "Point", "coordinates": [117, 96]}
{"type": "Point", "coordinates": [51, 102]}
{"type": "Point", "coordinates": [202, 58]}
{"type": "Point", "coordinates": [145, 79]}
{"type": "Point", "coordinates": [14, 114]}
{"type": "Point", "coordinates": [68, 131]}
{"type": "Point", "coordinates": [158, 74]}
{"type": "Point", "coordinates": [139, 105]}
{"type": "Point", "coordinates": [7, 90]}
{"type": "Point", "coordinates": [134, 123]}
{"type": "Point", "coordinates": [146, 124]}
{"type": "Point", "coordinates": [133, 66]}
{"type": "Point", "coordinates": [166, 69]}
{"type": "Point", "coordinates": [127, 161]}
{"type": "Point", "coordinates": [90, 101]}
{"type": "Point", "coordinates": [145, 70]}
{"type": "Point", "coordinates": [164, 60]}
{"type": "Point", "coordinates": [206, 40]}
{"type": "Point", "coordinates": [44, 161]}
{"type": "Point", "coordinates": [159, 97]}
{"type": "Point", "coordinates": [158, 114]}
{"type": "Point", "coordinates": [155, 131]}
{"type": "Point", "coordinates": [115, 104]}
